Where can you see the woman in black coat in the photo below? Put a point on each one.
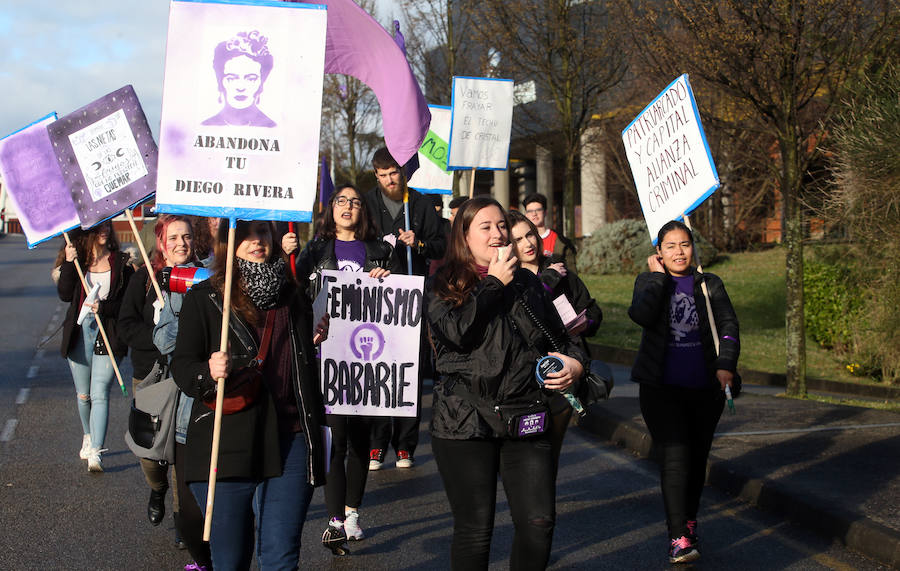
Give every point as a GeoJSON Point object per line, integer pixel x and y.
{"type": "Point", "coordinates": [490, 412]}
{"type": "Point", "coordinates": [102, 263]}
{"type": "Point", "coordinates": [270, 453]}
{"type": "Point", "coordinates": [682, 374]}
{"type": "Point", "coordinates": [346, 241]}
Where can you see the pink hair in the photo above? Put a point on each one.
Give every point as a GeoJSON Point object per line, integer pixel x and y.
{"type": "Point", "coordinates": [158, 260]}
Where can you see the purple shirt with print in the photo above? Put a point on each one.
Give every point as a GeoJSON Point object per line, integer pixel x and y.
{"type": "Point", "coordinates": [351, 256]}
{"type": "Point", "coordinates": [685, 363]}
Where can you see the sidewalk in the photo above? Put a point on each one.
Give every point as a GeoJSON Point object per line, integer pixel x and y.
{"type": "Point", "coordinates": [834, 469]}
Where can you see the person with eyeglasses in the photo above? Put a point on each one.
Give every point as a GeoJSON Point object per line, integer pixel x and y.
{"type": "Point", "coordinates": [557, 248]}
{"type": "Point", "coordinates": [348, 242]}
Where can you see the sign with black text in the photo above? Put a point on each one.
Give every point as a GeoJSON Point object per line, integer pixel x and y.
{"type": "Point", "coordinates": [481, 123]}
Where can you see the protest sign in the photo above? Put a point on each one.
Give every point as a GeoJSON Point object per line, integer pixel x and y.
{"type": "Point", "coordinates": [670, 159]}
{"type": "Point", "coordinates": [370, 361]}
{"type": "Point", "coordinates": [481, 123]}
{"type": "Point", "coordinates": [432, 176]}
{"type": "Point", "coordinates": [239, 134]}
{"type": "Point", "coordinates": [35, 184]}
{"type": "Point", "coordinates": [107, 155]}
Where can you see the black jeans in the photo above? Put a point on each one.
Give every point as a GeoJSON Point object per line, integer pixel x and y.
{"type": "Point", "coordinates": [350, 443]}
{"type": "Point", "coordinates": [469, 471]}
{"type": "Point", "coordinates": [682, 423]}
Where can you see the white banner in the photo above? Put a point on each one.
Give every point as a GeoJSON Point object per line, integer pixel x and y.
{"type": "Point", "coordinates": [432, 176]}
{"type": "Point", "coordinates": [239, 135]}
{"type": "Point", "coordinates": [481, 123]}
{"type": "Point", "coordinates": [670, 160]}
{"type": "Point", "coordinates": [370, 361]}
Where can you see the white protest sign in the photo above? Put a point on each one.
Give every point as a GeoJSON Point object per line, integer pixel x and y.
{"type": "Point", "coordinates": [239, 134]}
{"type": "Point", "coordinates": [481, 123]}
{"type": "Point", "coordinates": [432, 176]}
{"type": "Point", "coordinates": [370, 361]}
{"type": "Point", "coordinates": [670, 159]}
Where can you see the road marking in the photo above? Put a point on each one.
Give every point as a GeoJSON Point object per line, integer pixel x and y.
{"type": "Point", "coordinates": [39, 354]}
{"type": "Point", "coordinates": [23, 395]}
{"type": "Point", "coordinates": [8, 430]}
{"type": "Point", "coordinates": [804, 430]}
{"type": "Point", "coordinates": [33, 371]}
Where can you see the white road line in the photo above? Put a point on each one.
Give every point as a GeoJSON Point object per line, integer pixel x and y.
{"type": "Point", "coordinates": [803, 430]}
{"type": "Point", "coordinates": [40, 354]}
{"type": "Point", "coordinates": [33, 371]}
{"type": "Point", "coordinates": [23, 395]}
{"type": "Point", "coordinates": [9, 430]}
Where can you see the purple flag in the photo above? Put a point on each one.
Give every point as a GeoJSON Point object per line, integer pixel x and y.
{"type": "Point", "coordinates": [357, 45]}
{"type": "Point", "coordinates": [398, 37]}
{"type": "Point", "coordinates": [326, 185]}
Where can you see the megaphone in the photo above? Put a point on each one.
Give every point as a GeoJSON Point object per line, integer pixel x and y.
{"type": "Point", "coordinates": [180, 280]}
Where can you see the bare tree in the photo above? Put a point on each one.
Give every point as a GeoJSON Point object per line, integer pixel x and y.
{"type": "Point", "coordinates": [787, 60]}
{"type": "Point", "coordinates": [352, 122]}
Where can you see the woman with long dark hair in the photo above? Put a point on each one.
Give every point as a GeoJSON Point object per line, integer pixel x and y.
{"type": "Point", "coordinates": [270, 455]}
{"type": "Point", "coordinates": [682, 376]}
{"type": "Point", "coordinates": [97, 250]}
{"type": "Point", "coordinates": [490, 411]}
{"type": "Point", "coordinates": [346, 241]}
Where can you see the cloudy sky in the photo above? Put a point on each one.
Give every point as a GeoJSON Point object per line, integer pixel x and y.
{"type": "Point", "coordinates": [58, 55]}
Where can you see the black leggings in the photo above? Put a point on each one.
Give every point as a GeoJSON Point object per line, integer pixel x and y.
{"type": "Point", "coordinates": [469, 470]}
{"type": "Point", "coordinates": [350, 442]}
{"type": "Point", "coordinates": [682, 423]}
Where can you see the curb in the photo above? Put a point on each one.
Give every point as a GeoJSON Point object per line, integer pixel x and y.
{"type": "Point", "coordinates": [627, 356]}
{"type": "Point", "coordinates": [852, 529]}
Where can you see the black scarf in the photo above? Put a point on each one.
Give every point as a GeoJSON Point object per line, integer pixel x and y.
{"type": "Point", "coordinates": [262, 283]}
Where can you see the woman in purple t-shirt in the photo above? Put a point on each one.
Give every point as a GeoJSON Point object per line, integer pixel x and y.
{"type": "Point", "coordinates": [345, 242]}
{"type": "Point", "coordinates": [682, 376]}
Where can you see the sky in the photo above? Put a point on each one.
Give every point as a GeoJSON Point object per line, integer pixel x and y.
{"type": "Point", "coordinates": [61, 55]}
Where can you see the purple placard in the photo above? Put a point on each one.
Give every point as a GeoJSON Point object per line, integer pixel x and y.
{"type": "Point", "coordinates": [36, 187]}
{"type": "Point", "coordinates": [107, 155]}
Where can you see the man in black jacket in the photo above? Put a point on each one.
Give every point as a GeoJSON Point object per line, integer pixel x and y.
{"type": "Point", "coordinates": [423, 239]}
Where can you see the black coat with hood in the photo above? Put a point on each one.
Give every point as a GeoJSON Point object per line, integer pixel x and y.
{"type": "Point", "coordinates": [490, 346]}
{"type": "Point", "coordinates": [650, 308]}
{"type": "Point", "coordinates": [249, 445]}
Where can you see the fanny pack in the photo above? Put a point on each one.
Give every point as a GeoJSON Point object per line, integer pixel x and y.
{"type": "Point", "coordinates": [515, 420]}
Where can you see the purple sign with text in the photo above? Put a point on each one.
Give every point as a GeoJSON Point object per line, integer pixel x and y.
{"type": "Point", "coordinates": [370, 361]}
{"type": "Point", "coordinates": [107, 155]}
{"type": "Point", "coordinates": [36, 187]}
{"type": "Point", "coordinates": [242, 99]}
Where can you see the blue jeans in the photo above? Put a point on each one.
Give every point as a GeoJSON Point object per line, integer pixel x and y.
{"type": "Point", "coordinates": [93, 376]}
{"type": "Point", "coordinates": [276, 505]}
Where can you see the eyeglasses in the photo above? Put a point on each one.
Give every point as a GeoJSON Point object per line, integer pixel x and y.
{"type": "Point", "coordinates": [534, 211]}
{"type": "Point", "coordinates": [353, 202]}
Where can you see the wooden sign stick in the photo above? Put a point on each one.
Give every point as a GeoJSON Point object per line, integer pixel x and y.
{"type": "Point", "coordinates": [144, 255]}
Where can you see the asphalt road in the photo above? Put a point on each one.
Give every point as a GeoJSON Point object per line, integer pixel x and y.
{"type": "Point", "coordinates": [56, 515]}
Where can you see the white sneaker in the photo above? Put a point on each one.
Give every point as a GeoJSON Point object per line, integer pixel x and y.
{"type": "Point", "coordinates": [94, 463]}
{"type": "Point", "coordinates": [351, 526]}
{"type": "Point", "coordinates": [404, 459]}
{"type": "Point", "coordinates": [376, 458]}
{"type": "Point", "coordinates": [85, 447]}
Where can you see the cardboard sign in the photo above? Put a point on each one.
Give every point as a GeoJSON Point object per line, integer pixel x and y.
{"type": "Point", "coordinates": [370, 361]}
{"type": "Point", "coordinates": [670, 159]}
{"type": "Point", "coordinates": [36, 186]}
{"type": "Point", "coordinates": [481, 123]}
{"type": "Point", "coordinates": [107, 155]}
{"type": "Point", "coordinates": [239, 134]}
{"type": "Point", "coordinates": [432, 176]}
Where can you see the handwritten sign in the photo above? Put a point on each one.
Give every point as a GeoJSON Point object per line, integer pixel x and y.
{"type": "Point", "coordinates": [35, 184]}
{"type": "Point", "coordinates": [432, 176]}
{"type": "Point", "coordinates": [107, 155]}
{"type": "Point", "coordinates": [370, 361]}
{"type": "Point", "coordinates": [670, 159]}
{"type": "Point", "coordinates": [481, 123]}
{"type": "Point", "coordinates": [239, 135]}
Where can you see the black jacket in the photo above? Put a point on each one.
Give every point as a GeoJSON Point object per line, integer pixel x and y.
{"type": "Point", "coordinates": [650, 309]}
{"type": "Point", "coordinates": [70, 290]}
{"type": "Point", "coordinates": [431, 243]}
{"type": "Point", "coordinates": [490, 346]}
{"type": "Point", "coordinates": [249, 446]}
{"type": "Point", "coordinates": [136, 323]}
{"type": "Point", "coordinates": [318, 255]}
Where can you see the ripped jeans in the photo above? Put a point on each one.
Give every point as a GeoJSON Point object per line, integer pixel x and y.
{"type": "Point", "coordinates": [93, 376]}
{"type": "Point", "coordinates": [469, 471]}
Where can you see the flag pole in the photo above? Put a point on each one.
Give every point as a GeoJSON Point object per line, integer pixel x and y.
{"type": "Point", "coordinates": [406, 216]}
{"type": "Point", "coordinates": [220, 383]}
{"type": "Point", "coordinates": [472, 183]}
{"type": "Point", "coordinates": [87, 290]}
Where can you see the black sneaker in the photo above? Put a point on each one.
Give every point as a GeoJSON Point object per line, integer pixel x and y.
{"type": "Point", "coordinates": [681, 550]}
{"type": "Point", "coordinates": [692, 533]}
{"type": "Point", "coordinates": [335, 538]}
